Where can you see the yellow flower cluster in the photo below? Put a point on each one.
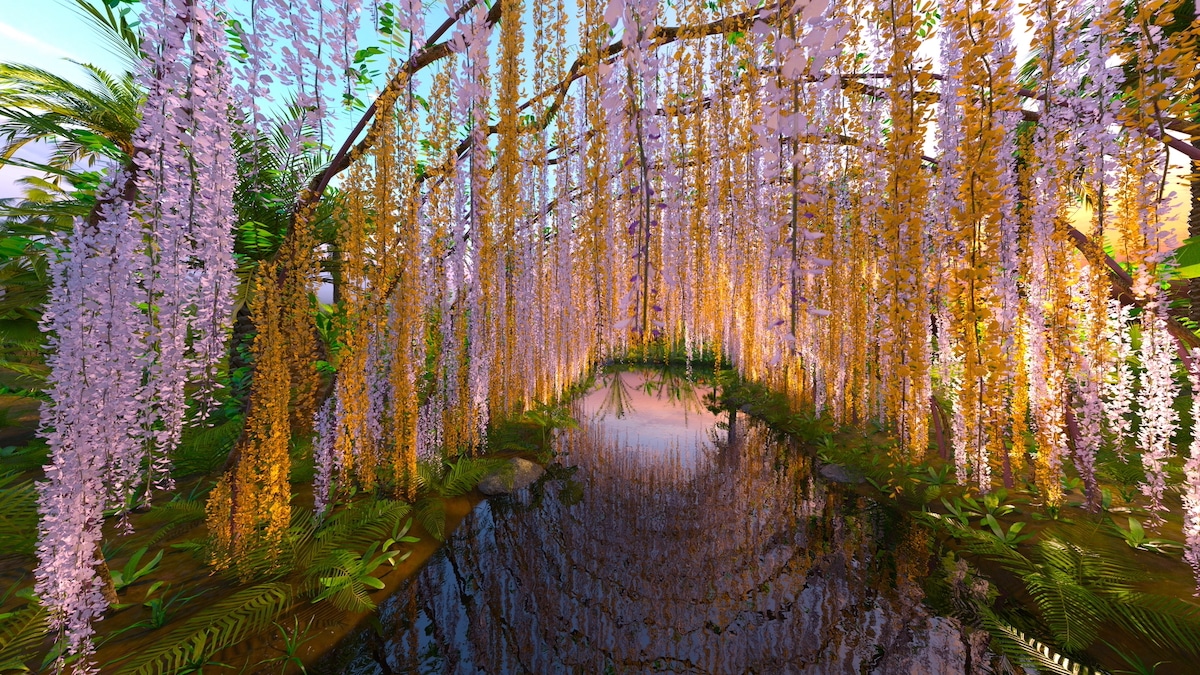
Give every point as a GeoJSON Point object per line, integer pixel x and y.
{"type": "Point", "coordinates": [756, 179]}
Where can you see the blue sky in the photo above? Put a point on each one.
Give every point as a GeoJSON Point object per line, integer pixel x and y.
{"type": "Point", "coordinates": [45, 33]}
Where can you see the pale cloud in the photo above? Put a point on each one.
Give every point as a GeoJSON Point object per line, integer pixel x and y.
{"type": "Point", "coordinates": [9, 175]}
{"type": "Point", "coordinates": [8, 182]}
{"type": "Point", "coordinates": [15, 45]}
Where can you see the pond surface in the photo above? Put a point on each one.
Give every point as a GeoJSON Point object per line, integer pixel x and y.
{"type": "Point", "coordinates": [658, 418]}
{"type": "Point", "coordinates": [654, 544]}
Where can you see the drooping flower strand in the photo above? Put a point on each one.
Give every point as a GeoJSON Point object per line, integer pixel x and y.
{"type": "Point", "coordinates": [980, 289]}
{"type": "Point", "coordinates": [904, 275]}
{"type": "Point", "coordinates": [166, 186]}
{"type": "Point", "coordinates": [1119, 381]}
{"type": "Point", "coordinates": [1156, 395]}
{"type": "Point", "coordinates": [324, 460]}
{"type": "Point", "coordinates": [146, 288]}
{"type": "Point", "coordinates": [213, 218]}
{"type": "Point", "coordinates": [1047, 258]}
{"type": "Point", "coordinates": [356, 454]}
{"type": "Point", "coordinates": [1191, 473]}
{"type": "Point", "coordinates": [94, 416]}
{"type": "Point", "coordinates": [510, 207]}
{"type": "Point", "coordinates": [250, 506]}
{"type": "Point", "coordinates": [1089, 418]}
{"type": "Point", "coordinates": [403, 317]}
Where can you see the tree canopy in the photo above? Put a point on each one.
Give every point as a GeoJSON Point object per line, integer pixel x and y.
{"type": "Point", "coordinates": [872, 207]}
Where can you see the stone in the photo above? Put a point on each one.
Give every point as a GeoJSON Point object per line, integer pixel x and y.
{"type": "Point", "coordinates": [839, 474]}
{"type": "Point", "coordinates": [517, 474]}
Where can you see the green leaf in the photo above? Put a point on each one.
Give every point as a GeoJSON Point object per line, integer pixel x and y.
{"type": "Point", "coordinates": [11, 247]}
{"type": "Point", "coordinates": [131, 572]}
{"type": "Point", "coordinates": [1189, 253]}
{"type": "Point", "coordinates": [1189, 271]}
{"type": "Point", "coordinates": [1137, 532]}
{"type": "Point", "coordinates": [994, 525]}
{"type": "Point", "coordinates": [364, 54]}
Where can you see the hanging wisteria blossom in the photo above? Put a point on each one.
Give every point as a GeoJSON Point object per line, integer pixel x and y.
{"type": "Point", "coordinates": [877, 230]}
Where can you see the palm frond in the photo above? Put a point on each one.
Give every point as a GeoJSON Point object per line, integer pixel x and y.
{"type": "Point", "coordinates": [1073, 613]}
{"type": "Point", "coordinates": [83, 121]}
{"type": "Point", "coordinates": [116, 29]}
{"type": "Point", "coordinates": [1168, 622]}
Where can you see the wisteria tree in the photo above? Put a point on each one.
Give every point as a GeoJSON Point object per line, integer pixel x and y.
{"type": "Point", "coordinates": [873, 208]}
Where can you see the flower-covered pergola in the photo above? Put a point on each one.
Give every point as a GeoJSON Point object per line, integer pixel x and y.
{"type": "Point", "coordinates": [866, 205]}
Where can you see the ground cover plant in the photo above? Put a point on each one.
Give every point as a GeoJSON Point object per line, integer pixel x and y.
{"type": "Point", "coordinates": [872, 209]}
{"type": "Point", "coordinates": [1062, 586]}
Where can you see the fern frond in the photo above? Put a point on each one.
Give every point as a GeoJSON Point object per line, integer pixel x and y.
{"type": "Point", "coordinates": [459, 477]}
{"type": "Point", "coordinates": [21, 634]}
{"type": "Point", "coordinates": [241, 615]}
{"type": "Point", "coordinates": [428, 473]}
{"type": "Point", "coordinates": [1072, 612]}
{"type": "Point", "coordinates": [203, 450]}
{"type": "Point", "coordinates": [1166, 621]}
{"type": "Point", "coordinates": [1029, 651]}
{"type": "Point", "coordinates": [18, 517]}
{"type": "Point", "coordinates": [363, 522]}
{"type": "Point", "coordinates": [355, 527]}
{"type": "Point", "coordinates": [465, 474]}
{"type": "Point", "coordinates": [431, 513]}
{"type": "Point", "coordinates": [341, 576]}
{"type": "Point", "coordinates": [35, 372]}
{"type": "Point", "coordinates": [174, 518]}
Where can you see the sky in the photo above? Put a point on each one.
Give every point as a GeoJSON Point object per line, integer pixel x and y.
{"type": "Point", "coordinates": [652, 425]}
{"type": "Point", "coordinates": [45, 33]}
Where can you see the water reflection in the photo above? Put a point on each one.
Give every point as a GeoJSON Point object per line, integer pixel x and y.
{"type": "Point", "coordinates": [654, 413]}
{"type": "Point", "coordinates": [724, 564]}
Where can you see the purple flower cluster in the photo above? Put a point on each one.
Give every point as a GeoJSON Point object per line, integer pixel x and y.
{"type": "Point", "coordinates": [306, 48]}
{"type": "Point", "coordinates": [1156, 394]}
{"type": "Point", "coordinates": [95, 422]}
{"type": "Point", "coordinates": [140, 305]}
{"type": "Point", "coordinates": [1191, 481]}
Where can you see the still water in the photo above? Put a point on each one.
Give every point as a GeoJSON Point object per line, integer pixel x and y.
{"type": "Point", "coordinates": [655, 543]}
